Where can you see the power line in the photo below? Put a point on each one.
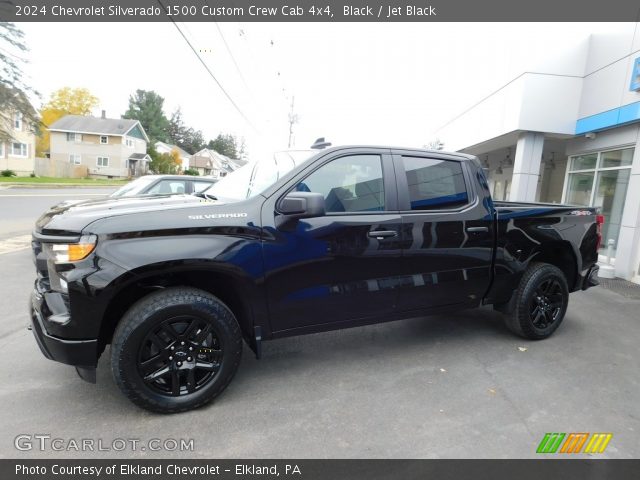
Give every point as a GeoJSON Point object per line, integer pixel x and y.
{"type": "Point", "coordinates": [208, 69]}
{"type": "Point", "coordinates": [233, 59]}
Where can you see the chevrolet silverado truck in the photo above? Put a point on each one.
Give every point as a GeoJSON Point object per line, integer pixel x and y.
{"type": "Point", "coordinates": [298, 242]}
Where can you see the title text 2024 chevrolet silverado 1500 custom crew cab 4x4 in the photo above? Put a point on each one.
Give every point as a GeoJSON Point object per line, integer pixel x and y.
{"type": "Point", "coordinates": [298, 242]}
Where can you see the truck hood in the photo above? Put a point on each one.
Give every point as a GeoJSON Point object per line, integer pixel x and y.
{"type": "Point", "coordinates": [74, 216]}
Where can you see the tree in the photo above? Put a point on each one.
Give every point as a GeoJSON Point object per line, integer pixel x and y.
{"type": "Point", "coordinates": [184, 137]}
{"type": "Point", "coordinates": [165, 163]}
{"type": "Point", "coordinates": [435, 144]}
{"type": "Point", "coordinates": [242, 151]}
{"type": "Point", "coordinates": [146, 107]}
{"type": "Point", "coordinates": [64, 101]}
{"type": "Point", "coordinates": [225, 144]}
{"type": "Point", "coordinates": [194, 141]}
{"type": "Point", "coordinates": [14, 91]}
{"type": "Point", "coordinates": [176, 131]}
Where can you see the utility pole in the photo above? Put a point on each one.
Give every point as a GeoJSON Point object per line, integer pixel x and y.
{"type": "Point", "coordinates": [293, 119]}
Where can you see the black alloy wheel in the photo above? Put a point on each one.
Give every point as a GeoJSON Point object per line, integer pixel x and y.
{"type": "Point", "coordinates": [546, 303]}
{"type": "Point", "coordinates": [180, 356]}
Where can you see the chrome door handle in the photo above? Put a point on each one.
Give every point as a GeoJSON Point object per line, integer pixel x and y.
{"type": "Point", "coordinates": [382, 234]}
{"type": "Point", "coordinates": [477, 229]}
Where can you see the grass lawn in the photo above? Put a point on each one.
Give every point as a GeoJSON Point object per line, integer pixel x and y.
{"type": "Point", "coordinates": [60, 181]}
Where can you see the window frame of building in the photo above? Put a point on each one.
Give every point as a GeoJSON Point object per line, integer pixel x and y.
{"type": "Point", "coordinates": [596, 178]}
{"type": "Point", "coordinates": [129, 142]}
{"type": "Point", "coordinates": [104, 164]}
{"type": "Point", "coordinates": [595, 170]}
{"type": "Point", "coordinates": [106, 139]}
{"type": "Point", "coordinates": [1, 149]}
{"type": "Point", "coordinates": [75, 159]}
{"type": "Point", "coordinates": [74, 137]}
{"type": "Point", "coordinates": [19, 155]}
{"type": "Point", "coordinates": [18, 121]}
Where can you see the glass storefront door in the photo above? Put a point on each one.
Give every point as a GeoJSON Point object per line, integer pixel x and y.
{"type": "Point", "coordinates": [601, 180]}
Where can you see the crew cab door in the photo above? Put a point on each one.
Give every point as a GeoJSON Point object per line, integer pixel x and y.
{"type": "Point", "coordinates": [447, 231]}
{"type": "Point", "coordinates": [340, 266]}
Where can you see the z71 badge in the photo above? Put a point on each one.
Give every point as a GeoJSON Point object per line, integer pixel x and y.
{"type": "Point", "coordinates": [209, 216]}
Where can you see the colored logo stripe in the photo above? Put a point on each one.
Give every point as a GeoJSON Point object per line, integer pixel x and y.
{"type": "Point", "coordinates": [550, 443]}
{"type": "Point", "coordinates": [574, 442]}
{"type": "Point", "coordinates": [598, 443]}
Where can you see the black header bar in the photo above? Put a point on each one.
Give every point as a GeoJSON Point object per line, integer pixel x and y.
{"type": "Point", "coordinates": [319, 11]}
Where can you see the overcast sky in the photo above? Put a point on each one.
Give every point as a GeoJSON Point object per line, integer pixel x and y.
{"type": "Point", "coordinates": [353, 83]}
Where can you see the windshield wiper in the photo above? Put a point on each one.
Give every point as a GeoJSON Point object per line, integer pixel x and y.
{"type": "Point", "coordinates": [205, 195]}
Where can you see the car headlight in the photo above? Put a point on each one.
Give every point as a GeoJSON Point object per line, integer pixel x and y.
{"type": "Point", "coordinates": [73, 252]}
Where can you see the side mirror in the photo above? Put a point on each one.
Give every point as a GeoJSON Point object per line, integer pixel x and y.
{"type": "Point", "coordinates": [297, 205]}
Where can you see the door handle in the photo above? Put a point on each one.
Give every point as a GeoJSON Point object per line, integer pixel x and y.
{"type": "Point", "coordinates": [382, 234]}
{"type": "Point", "coordinates": [477, 229]}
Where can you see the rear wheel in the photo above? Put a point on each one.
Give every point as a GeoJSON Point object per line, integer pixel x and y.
{"type": "Point", "coordinates": [175, 350]}
{"type": "Point", "coordinates": [541, 302]}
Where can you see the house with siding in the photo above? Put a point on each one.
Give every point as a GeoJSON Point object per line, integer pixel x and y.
{"type": "Point", "coordinates": [108, 147]}
{"type": "Point", "coordinates": [18, 152]}
{"type": "Point", "coordinates": [211, 163]}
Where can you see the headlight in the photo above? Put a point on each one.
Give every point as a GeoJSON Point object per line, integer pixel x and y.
{"type": "Point", "coordinates": [73, 252]}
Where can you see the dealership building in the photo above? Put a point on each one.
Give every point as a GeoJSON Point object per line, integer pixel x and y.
{"type": "Point", "coordinates": [567, 131]}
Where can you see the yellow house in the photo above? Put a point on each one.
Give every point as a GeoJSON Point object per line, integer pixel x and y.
{"type": "Point", "coordinates": [18, 153]}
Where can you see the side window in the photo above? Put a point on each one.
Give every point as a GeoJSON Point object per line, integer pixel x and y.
{"type": "Point", "coordinates": [349, 184]}
{"type": "Point", "coordinates": [167, 187]}
{"type": "Point", "coordinates": [435, 184]}
{"type": "Point", "coordinates": [200, 186]}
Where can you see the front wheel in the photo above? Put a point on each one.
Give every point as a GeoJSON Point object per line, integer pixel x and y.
{"type": "Point", "coordinates": [541, 302]}
{"type": "Point", "coordinates": [175, 349]}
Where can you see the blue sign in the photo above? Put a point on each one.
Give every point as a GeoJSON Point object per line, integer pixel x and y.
{"type": "Point", "coordinates": [635, 76]}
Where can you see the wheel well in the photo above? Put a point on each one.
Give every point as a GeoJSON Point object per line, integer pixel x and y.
{"type": "Point", "coordinates": [560, 255]}
{"type": "Point", "coordinates": [223, 286]}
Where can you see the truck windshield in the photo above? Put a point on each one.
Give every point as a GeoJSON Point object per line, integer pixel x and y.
{"type": "Point", "coordinates": [255, 177]}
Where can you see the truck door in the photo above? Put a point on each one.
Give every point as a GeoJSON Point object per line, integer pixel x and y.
{"type": "Point", "coordinates": [341, 266]}
{"type": "Point", "coordinates": [447, 235]}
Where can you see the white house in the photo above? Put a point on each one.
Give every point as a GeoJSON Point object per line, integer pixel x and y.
{"type": "Point", "coordinates": [211, 163]}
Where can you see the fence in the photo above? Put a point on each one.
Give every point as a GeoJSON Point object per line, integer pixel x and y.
{"type": "Point", "coordinates": [47, 167]}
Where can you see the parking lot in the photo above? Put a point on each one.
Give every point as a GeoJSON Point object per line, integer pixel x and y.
{"type": "Point", "coordinates": [439, 387]}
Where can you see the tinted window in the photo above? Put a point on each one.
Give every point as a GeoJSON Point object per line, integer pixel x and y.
{"type": "Point", "coordinates": [349, 184]}
{"type": "Point", "coordinates": [435, 184]}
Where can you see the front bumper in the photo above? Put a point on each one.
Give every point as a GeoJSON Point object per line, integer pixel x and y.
{"type": "Point", "coordinates": [82, 354]}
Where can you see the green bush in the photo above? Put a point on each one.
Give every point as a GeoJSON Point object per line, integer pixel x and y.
{"type": "Point", "coordinates": [192, 171]}
{"type": "Point", "coordinates": [33, 175]}
{"type": "Point", "coordinates": [8, 173]}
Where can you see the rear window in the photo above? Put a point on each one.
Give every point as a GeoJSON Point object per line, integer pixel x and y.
{"type": "Point", "coordinates": [435, 184]}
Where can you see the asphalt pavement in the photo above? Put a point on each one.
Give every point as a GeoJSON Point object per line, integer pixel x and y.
{"type": "Point", "coordinates": [21, 206]}
{"type": "Point", "coordinates": [454, 386]}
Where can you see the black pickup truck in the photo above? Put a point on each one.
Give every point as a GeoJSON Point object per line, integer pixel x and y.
{"type": "Point", "coordinates": [298, 242]}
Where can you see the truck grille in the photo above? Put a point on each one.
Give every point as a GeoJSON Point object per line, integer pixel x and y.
{"type": "Point", "coordinates": [40, 261]}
